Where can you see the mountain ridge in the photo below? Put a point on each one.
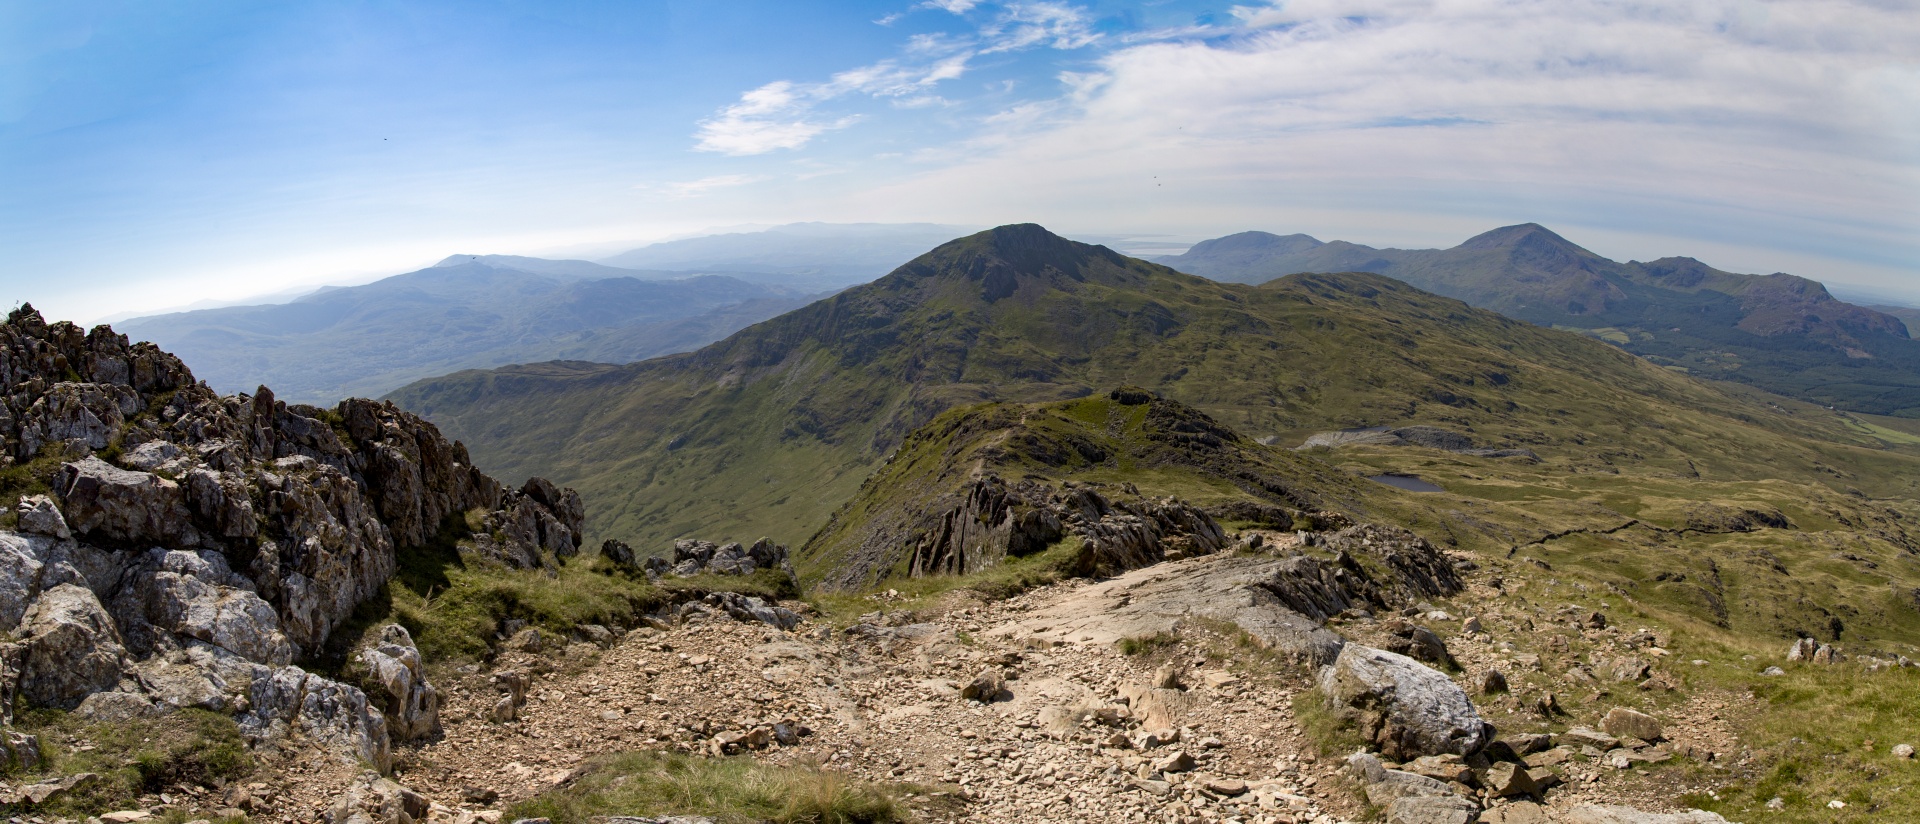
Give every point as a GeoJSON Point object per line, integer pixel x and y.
{"type": "Point", "coordinates": [765, 432]}
{"type": "Point", "coordinates": [1781, 332]}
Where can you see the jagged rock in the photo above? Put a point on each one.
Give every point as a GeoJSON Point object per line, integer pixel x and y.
{"type": "Point", "coordinates": [1388, 785]}
{"type": "Point", "coordinates": [117, 707]}
{"type": "Point", "coordinates": [103, 503]}
{"type": "Point", "coordinates": [41, 792]}
{"type": "Point", "coordinates": [692, 557]}
{"type": "Point", "coordinates": [289, 700]}
{"type": "Point", "coordinates": [1617, 814]}
{"type": "Point", "coordinates": [1402, 706]}
{"type": "Point", "coordinates": [20, 752]}
{"type": "Point", "coordinates": [1157, 708]}
{"type": "Point", "coordinates": [1519, 812]}
{"type": "Point", "coordinates": [39, 515]}
{"type": "Point", "coordinates": [1585, 737]}
{"type": "Point", "coordinates": [1178, 761]}
{"type": "Point", "coordinates": [1419, 643]}
{"type": "Point", "coordinates": [740, 608]}
{"type": "Point", "coordinates": [20, 576]}
{"type": "Point", "coordinates": [1443, 809]}
{"type": "Point", "coordinates": [1626, 723]}
{"type": "Point", "coordinates": [377, 800]}
{"type": "Point", "coordinates": [1443, 768]}
{"type": "Point", "coordinates": [1505, 779]}
{"type": "Point", "coordinates": [174, 595]}
{"type": "Point", "coordinates": [72, 648]}
{"type": "Point", "coordinates": [1802, 649]}
{"type": "Point", "coordinates": [410, 704]}
{"type": "Point", "coordinates": [619, 553]}
{"type": "Point", "coordinates": [1492, 681]}
{"type": "Point", "coordinates": [987, 687]}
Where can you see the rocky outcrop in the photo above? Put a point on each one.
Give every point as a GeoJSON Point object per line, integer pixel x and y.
{"type": "Point", "coordinates": [1281, 603]}
{"type": "Point", "coordinates": [693, 557]}
{"type": "Point", "coordinates": [994, 520]}
{"type": "Point", "coordinates": [1405, 708]}
{"type": "Point", "coordinates": [194, 545]}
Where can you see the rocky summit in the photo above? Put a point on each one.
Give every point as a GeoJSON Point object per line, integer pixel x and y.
{"type": "Point", "coordinates": [170, 549]}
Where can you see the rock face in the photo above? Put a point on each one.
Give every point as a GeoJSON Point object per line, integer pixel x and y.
{"type": "Point", "coordinates": [194, 545]}
{"type": "Point", "coordinates": [1402, 706]}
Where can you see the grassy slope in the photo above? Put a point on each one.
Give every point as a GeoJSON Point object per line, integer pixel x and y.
{"type": "Point", "coordinates": [767, 432]}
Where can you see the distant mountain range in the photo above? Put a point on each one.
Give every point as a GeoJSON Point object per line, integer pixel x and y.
{"type": "Point", "coordinates": [819, 256]}
{"type": "Point", "coordinates": [467, 312]}
{"type": "Point", "coordinates": [1779, 332]}
{"type": "Point", "coordinates": [476, 311]}
{"type": "Point", "coordinates": [768, 431]}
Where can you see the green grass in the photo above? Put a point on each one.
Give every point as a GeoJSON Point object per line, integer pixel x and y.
{"type": "Point", "coordinates": [138, 757]}
{"type": "Point", "coordinates": [735, 790]}
{"type": "Point", "coordinates": [1147, 644]}
{"type": "Point", "coordinates": [1821, 734]}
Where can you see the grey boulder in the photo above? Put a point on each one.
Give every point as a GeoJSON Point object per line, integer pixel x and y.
{"type": "Point", "coordinates": [1404, 707]}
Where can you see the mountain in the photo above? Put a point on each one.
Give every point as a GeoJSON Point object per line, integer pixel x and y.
{"type": "Point", "coordinates": [813, 256]}
{"type": "Point", "coordinates": [768, 431]}
{"type": "Point", "coordinates": [467, 311]}
{"type": "Point", "coordinates": [1780, 332]}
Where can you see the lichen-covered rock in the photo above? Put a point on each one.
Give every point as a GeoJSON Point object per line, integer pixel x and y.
{"type": "Point", "coordinates": [1402, 706]}
{"type": "Point", "coordinates": [410, 704]}
{"type": "Point", "coordinates": [109, 505]}
{"type": "Point", "coordinates": [290, 701]}
{"type": "Point", "coordinates": [169, 596]}
{"type": "Point", "coordinates": [72, 648]}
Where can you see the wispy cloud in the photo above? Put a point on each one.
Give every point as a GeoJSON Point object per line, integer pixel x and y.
{"type": "Point", "coordinates": [696, 188]}
{"type": "Point", "coordinates": [782, 114]}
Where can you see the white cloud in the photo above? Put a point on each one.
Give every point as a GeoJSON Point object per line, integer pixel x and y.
{"type": "Point", "coordinates": [1787, 123]}
{"type": "Point", "coordinates": [954, 6]}
{"type": "Point", "coordinates": [768, 118]}
{"type": "Point", "coordinates": [1025, 25]}
{"type": "Point", "coordinates": [695, 188]}
{"type": "Point", "coordinates": [778, 115]}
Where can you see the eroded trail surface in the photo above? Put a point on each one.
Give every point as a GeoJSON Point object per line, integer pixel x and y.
{"type": "Point", "coordinates": [883, 701]}
{"type": "Point", "coordinates": [1201, 728]}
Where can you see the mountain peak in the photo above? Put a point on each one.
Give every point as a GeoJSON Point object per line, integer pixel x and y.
{"type": "Point", "coordinates": [1525, 234]}
{"type": "Point", "coordinates": [1258, 242]}
{"type": "Point", "coordinates": [1004, 257]}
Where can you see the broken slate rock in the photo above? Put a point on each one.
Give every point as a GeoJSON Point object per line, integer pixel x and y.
{"type": "Point", "coordinates": [1441, 809]}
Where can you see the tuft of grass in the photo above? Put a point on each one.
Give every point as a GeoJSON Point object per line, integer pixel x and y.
{"type": "Point", "coordinates": [1330, 733]}
{"type": "Point", "coordinates": [138, 757]}
{"type": "Point", "coordinates": [732, 790]}
{"type": "Point", "coordinates": [1146, 644]}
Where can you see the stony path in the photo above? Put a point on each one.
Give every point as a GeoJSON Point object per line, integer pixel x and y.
{"type": "Point", "coordinates": [1064, 742]}
{"type": "Point", "coordinates": [884, 704]}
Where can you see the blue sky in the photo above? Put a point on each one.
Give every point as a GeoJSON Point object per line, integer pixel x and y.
{"type": "Point", "coordinates": [155, 154]}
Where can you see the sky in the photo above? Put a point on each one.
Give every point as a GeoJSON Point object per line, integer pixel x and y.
{"type": "Point", "coordinates": [157, 154]}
